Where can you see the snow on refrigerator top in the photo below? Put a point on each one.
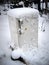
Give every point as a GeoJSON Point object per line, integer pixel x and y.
{"type": "Point", "coordinates": [23, 12]}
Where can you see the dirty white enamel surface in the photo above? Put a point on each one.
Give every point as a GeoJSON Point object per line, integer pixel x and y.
{"type": "Point", "coordinates": [29, 37]}
{"type": "Point", "coordinates": [13, 24]}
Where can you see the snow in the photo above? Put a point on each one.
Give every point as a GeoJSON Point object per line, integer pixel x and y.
{"type": "Point", "coordinates": [21, 3]}
{"type": "Point", "coordinates": [17, 53]}
{"type": "Point", "coordinates": [35, 6]}
{"type": "Point", "coordinates": [21, 12]}
{"type": "Point", "coordinates": [38, 56]}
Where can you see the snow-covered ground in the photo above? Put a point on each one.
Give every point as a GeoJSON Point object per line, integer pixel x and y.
{"type": "Point", "coordinates": [38, 56]}
{"type": "Point", "coordinates": [5, 51]}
